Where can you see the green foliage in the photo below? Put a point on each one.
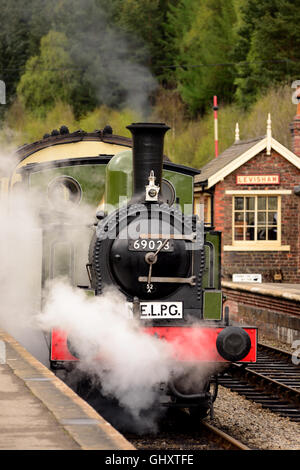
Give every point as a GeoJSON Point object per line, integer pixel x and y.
{"type": "Point", "coordinates": [22, 126]}
{"type": "Point", "coordinates": [278, 102]}
{"type": "Point", "coordinates": [269, 42]}
{"type": "Point", "coordinates": [103, 115]}
{"type": "Point", "coordinates": [193, 142]}
{"type": "Point", "coordinates": [189, 142]}
{"type": "Point", "coordinates": [21, 30]}
{"type": "Point", "coordinates": [92, 63]}
{"type": "Point", "coordinates": [94, 54]}
{"type": "Point", "coordinates": [144, 25]}
{"type": "Point", "coordinates": [204, 40]}
{"type": "Point", "coordinates": [49, 77]}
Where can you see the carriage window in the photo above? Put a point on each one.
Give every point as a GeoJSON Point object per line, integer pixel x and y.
{"type": "Point", "coordinates": [255, 218]}
{"type": "Point", "coordinates": [62, 260]}
{"type": "Point", "coordinates": [64, 190]}
{"type": "Point", "coordinates": [168, 192]}
{"type": "Point", "coordinates": [84, 184]}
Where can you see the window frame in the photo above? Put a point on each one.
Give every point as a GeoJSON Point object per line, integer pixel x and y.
{"type": "Point", "coordinates": [257, 245]}
{"type": "Point", "coordinates": [203, 207]}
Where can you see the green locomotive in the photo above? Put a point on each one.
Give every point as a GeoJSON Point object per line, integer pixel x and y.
{"type": "Point", "coordinates": [87, 183]}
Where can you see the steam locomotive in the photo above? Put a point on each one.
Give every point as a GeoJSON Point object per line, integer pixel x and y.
{"type": "Point", "coordinates": [147, 242]}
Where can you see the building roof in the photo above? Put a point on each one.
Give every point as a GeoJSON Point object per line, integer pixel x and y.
{"type": "Point", "coordinates": [230, 154]}
{"type": "Point", "coordinates": [238, 154]}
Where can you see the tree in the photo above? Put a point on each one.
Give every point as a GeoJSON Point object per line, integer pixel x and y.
{"type": "Point", "coordinates": [204, 38]}
{"type": "Point", "coordinates": [50, 76]}
{"type": "Point", "coordinates": [21, 30]}
{"type": "Point", "coordinates": [269, 44]}
{"type": "Point", "coordinates": [110, 68]}
{"type": "Point", "coordinates": [109, 61]}
{"type": "Point", "coordinates": [144, 25]}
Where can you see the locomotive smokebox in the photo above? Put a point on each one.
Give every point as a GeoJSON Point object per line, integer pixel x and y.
{"type": "Point", "coordinates": [147, 151]}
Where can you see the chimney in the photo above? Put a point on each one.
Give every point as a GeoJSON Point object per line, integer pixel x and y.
{"type": "Point", "coordinates": [295, 127]}
{"type": "Point", "coordinates": [147, 153]}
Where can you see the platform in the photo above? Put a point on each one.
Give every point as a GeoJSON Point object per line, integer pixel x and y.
{"type": "Point", "coordinates": [285, 291]}
{"type": "Point", "coordinates": [39, 412]}
{"type": "Point", "coordinates": [273, 307]}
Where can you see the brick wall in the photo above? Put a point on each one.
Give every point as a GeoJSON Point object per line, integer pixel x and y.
{"type": "Point", "coordinates": [295, 131]}
{"type": "Point", "coordinates": [265, 262]}
{"type": "Point", "coordinates": [274, 317]}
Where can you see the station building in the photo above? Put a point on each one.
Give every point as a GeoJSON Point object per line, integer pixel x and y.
{"type": "Point", "coordinates": [251, 193]}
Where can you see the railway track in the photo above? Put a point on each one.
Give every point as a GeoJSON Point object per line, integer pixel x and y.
{"type": "Point", "coordinates": [176, 429]}
{"type": "Point", "coordinates": [274, 382]}
{"type": "Point", "coordinates": [226, 442]}
{"type": "Point", "coordinates": [178, 433]}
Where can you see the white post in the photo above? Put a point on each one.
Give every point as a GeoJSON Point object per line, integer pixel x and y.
{"type": "Point", "coordinates": [2, 352]}
{"type": "Point", "coordinates": [237, 132]}
{"type": "Point", "coordinates": [269, 135]}
{"type": "Point", "coordinates": [2, 92]}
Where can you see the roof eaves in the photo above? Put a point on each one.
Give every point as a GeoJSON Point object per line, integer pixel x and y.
{"type": "Point", "coordinates": [236, 163]}
{"type": "Point", "coordinates": [286, 153]}
{"type": "Point", "coordinates": [226, 157]}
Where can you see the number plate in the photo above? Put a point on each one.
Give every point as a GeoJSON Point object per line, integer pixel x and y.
{"type": "Point", "coordinates": [150, 245]}
{"type": "Point", "coordinates": [168, 310]}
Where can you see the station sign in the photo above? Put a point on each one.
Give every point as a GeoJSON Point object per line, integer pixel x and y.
{"type": "Point", "coordinates": [258, 179]}
{"type": "Point", "coordinates": [246, 278]}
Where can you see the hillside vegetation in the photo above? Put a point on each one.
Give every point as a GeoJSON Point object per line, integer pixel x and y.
{"type": "Point", "coordinates": [92, 63]}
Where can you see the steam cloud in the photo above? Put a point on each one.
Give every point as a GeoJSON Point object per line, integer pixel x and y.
{"type": "Point", "coordinates": [132, 363]}
{"type": "Point", "coordinates": [20, 268]}
{"type": "Point", "coordinates": [110, 64]}
{"type": "Point", "coordinates": [128, 363]}
{"type": "Point", "coordinates": [112, 61]}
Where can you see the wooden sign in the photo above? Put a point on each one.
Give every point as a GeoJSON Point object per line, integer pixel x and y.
{"type": "Point", "coordinates": [258, 179]}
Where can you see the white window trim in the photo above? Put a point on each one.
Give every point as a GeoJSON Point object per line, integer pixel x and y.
{"type": "Point", "coordinates": [272, 245]}
{"type": "Point", "coordinates": [257, 246]}
{"type": "Point", "coordinates": [259, 192]}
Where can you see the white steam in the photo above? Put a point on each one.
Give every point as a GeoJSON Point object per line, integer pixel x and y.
{"type": "Point", "coordinates": [22, 255]}
{"type": "Point", "coordinates": [128, 363]}
{"type": "Point", "coordinates": [20, 268]}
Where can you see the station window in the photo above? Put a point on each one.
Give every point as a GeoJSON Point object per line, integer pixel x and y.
{"type": "Point", "coordinates": [255, 218]}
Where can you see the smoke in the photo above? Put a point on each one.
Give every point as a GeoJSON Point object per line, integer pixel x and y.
{"type": "Point", "coordinates": [122, 360]}
{"type": "Point", "coordinates": [112, 61]}
{"type": "Point", "coordinates": [20, 267]}
{"type": "Point", "coordinates": [125, 362]}
{"type": "Point", "coordinates": [110, 65]}
{"type": "Point", "coordinates": [128, 363]}
{"type": "Point", "coordinates": [23, 254]}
